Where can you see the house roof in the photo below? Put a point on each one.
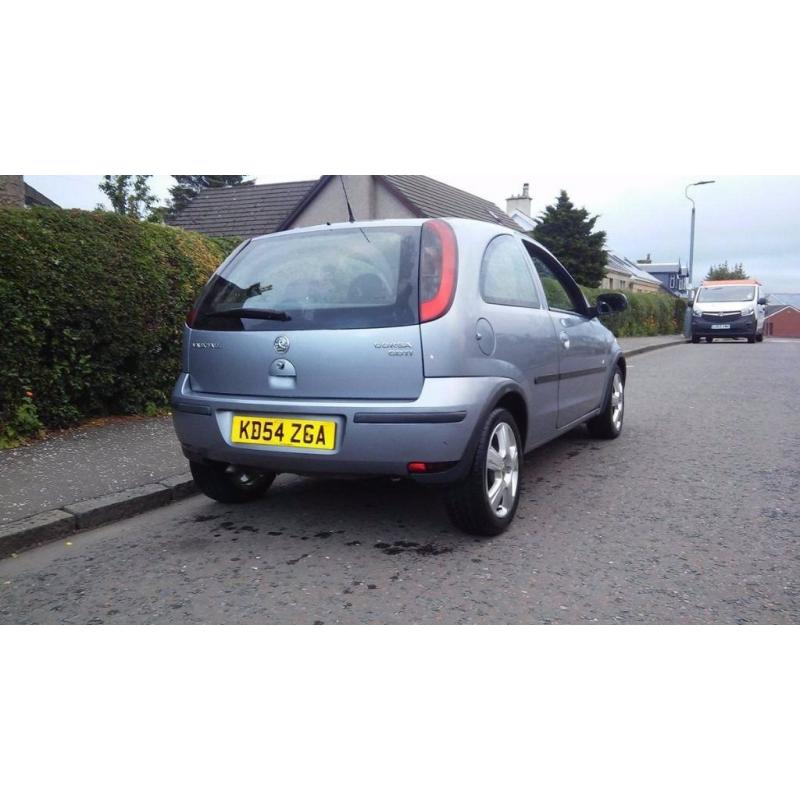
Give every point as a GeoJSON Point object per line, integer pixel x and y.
{"type": "Point", "coordinates": [432, 198]}
{"type": "Point", "coordinates": [250, 210]}
{"type": "Point", "coordinates": [784, 299]}
{"type": "Point", "coordinates": [424, 197]}
{"type": "Point", "coordinates": [522, 219]}
{"type": "Point", "coordinates": [643, 275]}
{"type": "Point", "coordinates": [613, 261]}
{"type": "Point", "coordinates": [33, 197]}
{"type": "Point", "coordinates": [625, 265]}
{"type": "Point", "coordinates": [781, 310]}
{"type": "Point", "coordinates": [664, 266]}
{"type": "Point", "coordinates": [258, 209]}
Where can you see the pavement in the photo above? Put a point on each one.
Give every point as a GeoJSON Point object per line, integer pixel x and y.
{"type": "Point", "coordinates": [97, 460]}
{"type": "Point", "coordinates": [689, 517]}
{"type": "Point", "coordinates": [87, 462]}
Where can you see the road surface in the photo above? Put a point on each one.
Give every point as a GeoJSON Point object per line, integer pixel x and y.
{"type": "Point", "coordinates": [692, 516]}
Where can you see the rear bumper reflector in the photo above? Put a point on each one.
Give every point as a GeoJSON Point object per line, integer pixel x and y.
{"type": "Point", "coordinates": [391, 418]}
{"type": "Point", "coordinates": [192, 408]}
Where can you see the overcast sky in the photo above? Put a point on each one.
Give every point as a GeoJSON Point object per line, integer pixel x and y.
{"type": "Point", "coordinates": [750, 219]}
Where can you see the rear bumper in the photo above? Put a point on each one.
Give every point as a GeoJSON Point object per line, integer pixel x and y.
{"type": "Point", "coordinates": [372, 438]}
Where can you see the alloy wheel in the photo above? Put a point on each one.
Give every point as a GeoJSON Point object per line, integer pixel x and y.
{"type": "Point", "coordinates": [617, 400]}
{"type": "Point", "coordinates": [502, 470]}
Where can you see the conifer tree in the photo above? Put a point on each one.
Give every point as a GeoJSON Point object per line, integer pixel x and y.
{"type": "Point", "coordinates": [568, 232]}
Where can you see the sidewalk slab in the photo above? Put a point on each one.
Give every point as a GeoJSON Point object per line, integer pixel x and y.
{"type": "Point", "coordinates": [86, 462]}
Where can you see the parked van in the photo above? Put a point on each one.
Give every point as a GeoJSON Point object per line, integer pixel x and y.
{"type": "Point", "coordinates": [728, 310]}
{"type": "Point", "coordinates": [436, 350]}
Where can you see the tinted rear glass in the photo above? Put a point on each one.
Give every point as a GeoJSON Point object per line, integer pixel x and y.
{"type": "Point", "coordinates": [336, 279]}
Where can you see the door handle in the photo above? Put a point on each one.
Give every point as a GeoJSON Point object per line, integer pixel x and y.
{"type": "Point", "coordinates": [564, 340]}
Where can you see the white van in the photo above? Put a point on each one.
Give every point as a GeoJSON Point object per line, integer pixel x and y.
{"type": "Point", "coordinates": [728, 310]}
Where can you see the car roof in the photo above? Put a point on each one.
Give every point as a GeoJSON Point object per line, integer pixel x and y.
{"type": "Point", "coordinates": [733, 282]}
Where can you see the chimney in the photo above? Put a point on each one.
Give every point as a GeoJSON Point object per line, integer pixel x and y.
{"type": "Point", "coordinates": [12, 191]}
{"type": "Point", "coordinates": [521, 202]}
{"type": "Point", "coordinates": [644, 260]}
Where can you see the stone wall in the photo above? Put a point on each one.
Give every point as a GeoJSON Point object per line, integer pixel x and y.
{"type": "Point", "coordinates": [12, 190]}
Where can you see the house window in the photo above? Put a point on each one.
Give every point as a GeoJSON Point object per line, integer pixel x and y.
{"type": "Point", "coordinates": [610, 283]}
{"type": "Point", "coordinates": [671, 281]}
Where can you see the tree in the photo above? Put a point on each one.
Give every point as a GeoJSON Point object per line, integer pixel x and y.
{"type": "Point", "coordinates": [189, 186]}
{"type": "Point", "coordinates": [129, 195]}
{"type": "Point", "coordinates": [568, 232]}
{"type": "Point", "coordinates": [722, 272]}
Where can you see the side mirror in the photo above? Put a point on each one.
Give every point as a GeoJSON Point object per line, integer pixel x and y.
{"type": "Point", "coordinates": [690, 303]}
{"type": "Point", "coordinates": [762, 301]}
{"type": "Point", "coordinates": [610, 303]}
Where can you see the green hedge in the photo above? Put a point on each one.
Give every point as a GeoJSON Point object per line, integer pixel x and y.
{"type": "Point", "coordinates": [91, 312]}
{"type": "Point", "coordinates": [648, 314]}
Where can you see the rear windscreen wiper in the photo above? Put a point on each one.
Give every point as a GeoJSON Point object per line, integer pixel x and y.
{"type": "Point", "coordinates": [251, 313]}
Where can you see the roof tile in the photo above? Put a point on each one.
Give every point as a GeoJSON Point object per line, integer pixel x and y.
{"type": "Point", "coordinates": [250, 210]}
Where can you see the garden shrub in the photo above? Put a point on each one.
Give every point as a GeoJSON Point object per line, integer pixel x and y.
{"type": "Point", "coordinates": [92, 306]}
{"type": "Point", "coordinates": [648, 314]}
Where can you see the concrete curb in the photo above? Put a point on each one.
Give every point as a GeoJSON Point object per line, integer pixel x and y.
{"type": "Point", "coordinates": [87, 514]}
{"type": "Point", "coordinates": [648, 348]}
{"type": "Point", "coordinates": [60, 523]}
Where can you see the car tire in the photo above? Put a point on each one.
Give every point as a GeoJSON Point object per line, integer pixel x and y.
{"type": "Point", "coordinates": [710, 339]}
{"type": "Point", "coordinates": [608, 423]}
{"type": "Point", "coordinates": [485, 501]}
{"type": "Point", "coordinates": [226, 483]}
{"type": "Point", "coordinates": [695, 340]}
{"type": "Point", "coordinates": [759, 337]}
{"type": "Point", "coordinates": [751, 339]}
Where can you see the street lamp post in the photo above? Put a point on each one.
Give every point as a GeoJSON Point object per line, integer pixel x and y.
{"type": "Point", "coordinates": [691, 238]}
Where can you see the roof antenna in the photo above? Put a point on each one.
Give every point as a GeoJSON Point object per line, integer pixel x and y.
{"type": "Point", "coordinates": [347, 200]}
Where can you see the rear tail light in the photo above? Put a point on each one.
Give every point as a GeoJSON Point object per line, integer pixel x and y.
{"type": "Point", "coordinates": [191, 317]}
{"type": "Point", "coordinates": [438, 270]}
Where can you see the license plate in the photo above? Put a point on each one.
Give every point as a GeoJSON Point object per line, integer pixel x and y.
{"type": "Point", "coordinates": [309, 434]}
{"type": "Point", "coordinates": [720, 327]}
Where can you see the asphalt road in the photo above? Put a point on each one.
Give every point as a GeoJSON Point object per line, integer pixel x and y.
{"type": "Point", "coordinates": [692, 516]}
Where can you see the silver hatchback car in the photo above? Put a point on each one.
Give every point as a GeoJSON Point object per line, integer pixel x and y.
{"type": "Point", "coordinates": [439, 350]}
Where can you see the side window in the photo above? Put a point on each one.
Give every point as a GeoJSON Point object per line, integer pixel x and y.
{"type": "Point", "coordinates": [558, 297]}
{"type": "Point", "coordinates": [506, 278]}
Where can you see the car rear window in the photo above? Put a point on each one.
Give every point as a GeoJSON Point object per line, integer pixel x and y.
{"type": "Point", "coordinates": [331, 279]}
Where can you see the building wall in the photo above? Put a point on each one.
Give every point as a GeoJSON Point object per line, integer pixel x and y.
{"type": "Point", "coordinates": [12, 190]}
{"type": "Point", "coordinates": [785, 324]}
{"type": "Point", "coordinates": [671, 280]}
{"type": "Point", "coordinates": [368, 199]}
{"type": "Point", "coordinates": [623, 281]}
{"type": "Point", "coordinates": [615, 280]}
{"type": "Point", "coordinates": [645, 288]}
